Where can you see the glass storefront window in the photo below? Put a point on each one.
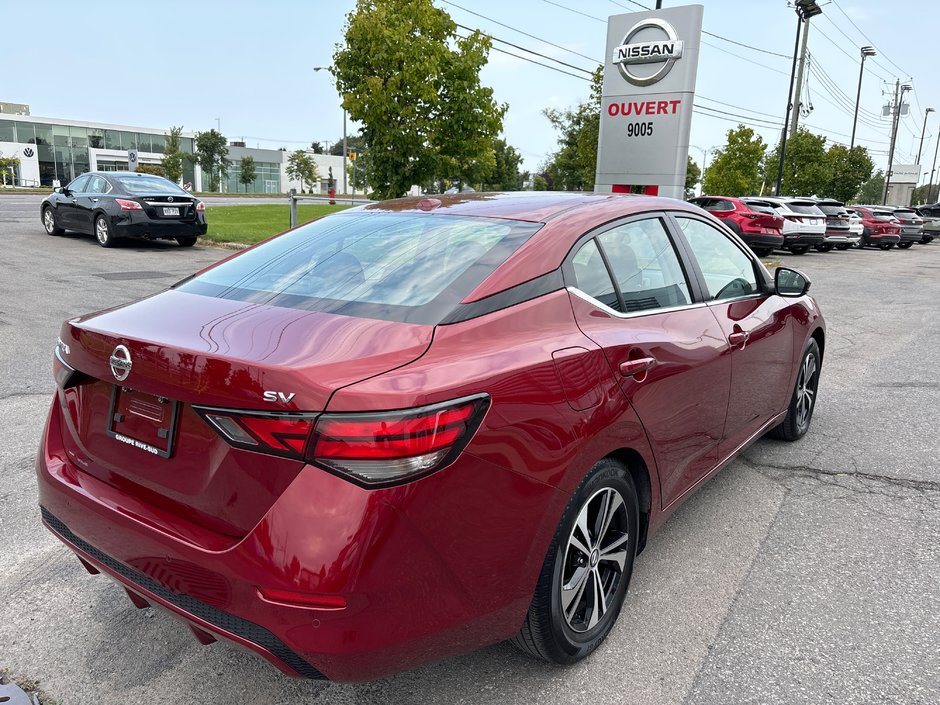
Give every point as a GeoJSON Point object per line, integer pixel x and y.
{"type": "Point", "coordinates": [60, 135]}
{"type": "Point", "coordinates": [129, 141]}
{"type": "Point", "coordinates": [43, 133]}
{"type": "Point", "coordinates": [79, 137]}
{"type": "Point", "coordinates": [95, 138]}
{"type": "Point", "coordinates": [186, 145]}
{"type": "Point", "coordinates": [112, 139]}
{"type": "Point", "coordinates": [143, 142]}
{"type": "Point", "coordinates": [7, 133]}
{"type": "Point", "coordinates": [157, 143]}
{"type": "Point", "coordinates": [25, 133]}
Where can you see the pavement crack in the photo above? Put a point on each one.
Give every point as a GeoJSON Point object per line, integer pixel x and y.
{"type": "Point", "coordinates": [819, 473]}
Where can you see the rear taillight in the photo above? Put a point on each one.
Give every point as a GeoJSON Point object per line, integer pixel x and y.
{"type": "Point", "coordinates": [128, 205]}
{"type": "Point", "coordinates": [65, 375]}
{"type": "Point", "coordinates": [752, 216]}
{"type": "Point", "coordinates": [794, 218]}
{"type": "Point", "coordinates": [390, 447]}
{"type": "Point", "coordinates": [372, 449]}
{"type": "Point", "coordinates": [200, 207]}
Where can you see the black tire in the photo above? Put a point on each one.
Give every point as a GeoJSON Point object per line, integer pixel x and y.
{"type": "Point", "coordinates": [553, 632]}
{"type": "Point", "coordinates": [926, 240]}
{"type": "Point", "coordinates": [823, 248]}
{"type": "Point", "coordinates": [763, 251]}
{"type": "Point", "coordinates": [905, 245]}
{"type": "Point", "coordinates": [842, 247]}
{"type": "Point", "coordinates": [887, 246]}
{"type": "Point", "coordinates": [800, 411]}
{"type": "Point", "coordinates": [186, 241]}
{"type": "Point", "coordinates": [103, 233]}
{"type": "Point", "coordinates": [799, 249]}
{"type": "Point", "coordinates": [49, 222]}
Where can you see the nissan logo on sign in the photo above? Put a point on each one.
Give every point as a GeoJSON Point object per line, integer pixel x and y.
{"type": "Point", "coordinates": [664, 52]}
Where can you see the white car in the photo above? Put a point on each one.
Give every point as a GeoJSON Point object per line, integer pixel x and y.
{"type": "Point", "coordinates": [855, 225]}
{"type": "Point", "coordinates": [804, 225]}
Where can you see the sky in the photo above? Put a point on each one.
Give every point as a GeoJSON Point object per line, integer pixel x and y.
{"type": "Point", "coordinates": [249, 65]}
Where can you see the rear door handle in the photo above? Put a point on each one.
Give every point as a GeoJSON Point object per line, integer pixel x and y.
{"type": "Point", "coordinates": [739, 338]}
{"type": "Point", "coordinates": [631, 368]}
{"type": "Point", "coordinates": [94, 200]}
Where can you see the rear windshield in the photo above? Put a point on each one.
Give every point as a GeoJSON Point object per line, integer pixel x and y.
{"type": "Point", "coordinates": [406, 267]}
{"type": "Point", "coordinates": [761, 207]}
{"type": "Point", "coordinates": [831, 209]}
{"type": "Point", "coordinates": [714, 204]}
{"type": "Point", "coordinates": [139, 185]}
{"type": "Point", "coordinates": [883, 215]}
{"type": "Point", "coordinates": [804, 208]}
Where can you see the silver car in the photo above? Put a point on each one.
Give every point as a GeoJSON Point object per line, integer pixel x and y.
{"type": "Point", "coordinates": [804, 225]}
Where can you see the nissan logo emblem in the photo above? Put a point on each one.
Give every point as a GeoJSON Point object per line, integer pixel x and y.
{"type": "Point", "coordinates": [120, 362]}
{"type": "Point", "coordinates": [169, 199]}
{"type": "Point", "coordinates": [664, 52]}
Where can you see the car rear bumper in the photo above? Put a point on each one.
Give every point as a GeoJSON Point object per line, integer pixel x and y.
{"type": "Point", "coordinates": [841, 237]}
{"type": "Point", "coordinates": [419, 567]}
{"type": "Point", "coordinates": [881, 238]}
{"type": "Point", "coordinates": [138, 224]}
{"type": "Point", "coordinates": [911, 236]}
{"type": "Point", "coordinates": [800, 239]}
{"type": "Point", "coordinates": [762, 239]}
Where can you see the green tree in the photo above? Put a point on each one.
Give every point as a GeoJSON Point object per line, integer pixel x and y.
{"type": "Point", "coordinates": [806, 168]}
{"type": "Point", "coordinates": [848, 170]}
{"type": "Point", "coordinates": [172, 161]}
{"type": "Point", "coordinates": [317, 148]}
{"type": "Point", "coordinates": [330, 181]}
{"type": "Point", "coordinates": [247, 171]}
{"type": "Point", "coordinates": [352, 142]}
{"type": "Point", "coordinates": [574, 166]}
{"type": "Point", "coordinates": [404, 73]}
{"type": "Point", "coordinates": [211, 155]}
{"type": "Point", "coordinates": [928, 193]}
{"type": "Point", "coordinates": [539, 183]}
{"type": "Point", "coordinates": [735, 170]}
{"type": "Point", "coordinates": [300, 167]}
{"type": "Point", "coordinates": [506, 175]}
{"type": "Point", "coordinates": [871, 190]}
{"type": "Point", "coordinates": [8, 167]}
{"type": "Point", "coordinates": [692, 175]}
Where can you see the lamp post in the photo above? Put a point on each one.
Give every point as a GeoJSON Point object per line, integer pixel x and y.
{"type": "Point", "coordinates": [705, 153]}
{"type": "Point", "coordinates": [934, 168]}
{"type": "Point", "coordinates": [327, 68]}
{"type": "Point", "coordinates": [922, 133]}
{"type": "Point", "coordinates": [866, 52]}
{"type": "Point", "coordinates": [805, 9]}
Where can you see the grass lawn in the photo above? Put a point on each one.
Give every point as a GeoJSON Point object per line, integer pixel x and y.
{"type": "Point", "coordinates": [249, 224]}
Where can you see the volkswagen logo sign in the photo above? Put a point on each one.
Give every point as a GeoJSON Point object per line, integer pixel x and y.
{"type": "Point", "coordinates": [120, 362]}
{"type": "Point", "coordinates": [665, 52]}
{"type": "Point", "coordinates": [28, 152]}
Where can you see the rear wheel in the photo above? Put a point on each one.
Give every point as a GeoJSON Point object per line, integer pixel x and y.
{"type": "Point", "coordinates": [823, 248]}
{"type": "Point", "coordinates": [103, 231]}
{"type": "Point", "coordinates": [763, 251]}
{"type": "Point", "coordinates": [49, 222]}
{"type": "Point", "coordinates": [842, 247]}
{"type": "Point", "coordinates": [803, 402]}
{"type": "Point", "coordinates": [886, 246]}
{"type": "Point", "coordinates": [800, 249]}
{"type": "Point", "coordinates": [926, 240]}
{"type": "Point", "coordinates": [186, 241]}
{"type": "Point", "coordinates": [905, 245]}
{"type": "Point", "coordinates": [585, 575]}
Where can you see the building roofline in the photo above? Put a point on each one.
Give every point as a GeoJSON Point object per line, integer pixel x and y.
{"type": "Point", "coordinates": [95, 125]}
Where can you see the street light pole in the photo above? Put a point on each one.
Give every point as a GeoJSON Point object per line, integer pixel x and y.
{"type": "Point", "coordinates": [922, 133]}
{"type": "Point", "coordinates": [345, 152]}
{"type": "Point", "coordinates": [934, 167]}
{"type": "Point", "coordinates": [805, 9]}
{"type": "Point", "coordinates": [866, 52]}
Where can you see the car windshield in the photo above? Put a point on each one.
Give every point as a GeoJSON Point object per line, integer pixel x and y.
{"type": "Point", "coordinates": [139, 185]}
{"type": "Point", "coordinates": [804, 208]}
{"type": "Point", "coordinates": [831, 208]}
{"type": "Point", "coordinates": [392, 266]}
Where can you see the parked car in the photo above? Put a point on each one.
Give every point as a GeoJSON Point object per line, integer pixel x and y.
{"type": "Point", "coordinates": [881, 228]}
{"type": "Point", "coordinates": [931, 216]}
{"type": "Point", "coordinates": [115, 204]}
{"type": "Point", "coordinates": [415, 428]}
{"type": "Point", "coordinates": [804, 224]}
{"type": "Point", "coordinates": [855, 226]}
{"type": "Point", "coordinates": [754, 221]}
{"type": "Point", "coordinates": [838, 226]}
{"type": "Point", "coordinates": [912, 226]}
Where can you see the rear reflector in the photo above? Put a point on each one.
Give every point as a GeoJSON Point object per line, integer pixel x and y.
{"type": "Point", "coordinates": [128, 205]}
{"type": "Point", "coordinates": [302, 599]}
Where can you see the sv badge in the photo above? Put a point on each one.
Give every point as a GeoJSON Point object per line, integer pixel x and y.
{"type": "Point", "coordinates": [279, 397]}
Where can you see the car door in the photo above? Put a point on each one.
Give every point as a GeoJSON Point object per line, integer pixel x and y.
{"type": "Point", "coordinates": [631, 295]}
{"type": "Point", "coordinates": [87, 202]}
{"type": "Point", "coordinates": [68, 201]}
{"type": "Point", "coordinates": [757, 324]}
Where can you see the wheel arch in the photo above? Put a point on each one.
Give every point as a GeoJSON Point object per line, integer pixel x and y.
{"type": "Point", "coordinates": [639, 472]}
{"type": "Point", "coordinates": [819, 335]}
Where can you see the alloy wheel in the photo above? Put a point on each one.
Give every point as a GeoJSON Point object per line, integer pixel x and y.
{"type": "Point", "coordinates": [101, 230]}
{"type": "Point", "coordinates": [48, 220]}
{"type": "Point", "coordinates": [806, 391]}
{"type": "Point", "coordinates": [594, 561]}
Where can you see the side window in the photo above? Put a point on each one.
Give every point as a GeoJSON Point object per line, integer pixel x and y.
{"type": "Point", "coordinates": [645, 265]}
{"type": "Point", "coordinates": [591, 275]}
{"type": "Point", "coordinates": [78, 185]}
{"type": "Point", "coordinates": [97, 185]}
{"type": "Point", "coordinates": [729, 273]}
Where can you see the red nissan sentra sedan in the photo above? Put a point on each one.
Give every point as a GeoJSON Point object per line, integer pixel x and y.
{"type": "Point", "coordinates": [423, 426]}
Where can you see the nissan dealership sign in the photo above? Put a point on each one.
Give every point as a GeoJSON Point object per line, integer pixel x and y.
{"type": "Point", "coordinates": [646, 104]}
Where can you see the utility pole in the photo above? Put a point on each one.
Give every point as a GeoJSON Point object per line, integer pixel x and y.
{"type": "Point", "coordinates": [797, 97]}
{"type": "Point", "coordinates": [899, 92]}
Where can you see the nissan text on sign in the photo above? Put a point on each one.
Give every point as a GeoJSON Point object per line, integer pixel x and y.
{"type": "Point", "coordinates": [646, 103]}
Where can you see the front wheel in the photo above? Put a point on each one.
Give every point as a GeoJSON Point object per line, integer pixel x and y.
{"type": "Point", "coordinates": [103, 231]}
{"type": "Point", "coordinates": [926, 239]}
{"type": "Point", "coordinates": [803, 401]}
{"type": "Point", "coordinates": [905, 245]}
{"type": "Point", "coordinates": [887, 246]}
{"type": "Point", "coordinates": [186, 241]}
{"type": "Point", "coordinates": [585, 575]}
{"type": "Point", "coordinates": [763, 251]}
{"type": "Point", "coordinates": [842, 247]}
{"type": "Point", "coordinates": [800, 249]}
{"type": "Point", "coordinates": [49, 222]}
{"type": "Point", "coordinates": [823, 248]}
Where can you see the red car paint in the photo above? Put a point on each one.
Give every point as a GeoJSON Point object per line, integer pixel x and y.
{"type": "Point", "coordinates": [877, 231]}
{"type": "Point", "coordinates": [762, 231]}
{"type": "Point", "coordinates": [326, 577]}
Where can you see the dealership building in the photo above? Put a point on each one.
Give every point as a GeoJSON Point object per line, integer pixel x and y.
{"type": "Point", "coordinates": [54, 150]}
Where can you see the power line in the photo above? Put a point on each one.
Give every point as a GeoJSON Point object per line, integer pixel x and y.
{"type": "Point", "coordinates": [838, 7]}
{"type": "Point", "coordinates": [539, 63]}
{"type": "Point", "coordinates": [744, 58]}
{"type": "Point", "coordinates": [528, 51]}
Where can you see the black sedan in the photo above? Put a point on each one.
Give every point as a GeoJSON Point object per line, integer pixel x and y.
{"type": "Point", "coordinates": [116, 204]}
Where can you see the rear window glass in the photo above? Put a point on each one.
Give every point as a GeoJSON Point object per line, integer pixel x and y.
{"type": "Point", "coordinates": [139, 185]}
{"type": "Point", "coordinates": [404, 267]}
{"type": "Point", "coordinates": [831, 209]}
{"type": "Point", "coordinates": [883, 215]}
{"type": "Point", "coordinates": [761, 207]}
{"type": "Point", "coordinates": [714, 204]}
{"type": "Point", "coordinates": [804, 208]}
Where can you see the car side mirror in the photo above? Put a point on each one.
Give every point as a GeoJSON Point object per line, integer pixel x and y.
{"type": "Point", "coordinates": [58, 189]}
{"type": "Point", "coordinates": [790, 282]}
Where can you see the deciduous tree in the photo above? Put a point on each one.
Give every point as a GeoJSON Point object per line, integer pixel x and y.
{"type": "Point", "coordinates": [414, 85]}
{"type": "Point", "coordinates": [574, 165]}
{"type": "Point", "coordinates": [806, 170]}
{"type": "Point", "coordinates": [212, 156]}
{"type": "Point", "coordinates": [247, 171]}
{"type": "Point", "coordinates": [871, 190]}
{"type": "Point", "coordinates": [848, 170]}
{"type": "Point", "coordinates": [172, 161]}
{"type": "Point", "coordinates": [735, 170]}
{"type": "Point", "coordinates": [506, 175]}
{"type": "Point", "coordinates": [692, 175]}
{"type": "Point", "coordinates": [302, 168]}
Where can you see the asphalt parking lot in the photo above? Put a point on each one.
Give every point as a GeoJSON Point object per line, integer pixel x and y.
{"type": "Point", "coordinates": [803, 573]}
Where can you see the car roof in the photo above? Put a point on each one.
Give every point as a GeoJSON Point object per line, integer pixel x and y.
{"type": "Point", "coordinates": [532, 206]}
